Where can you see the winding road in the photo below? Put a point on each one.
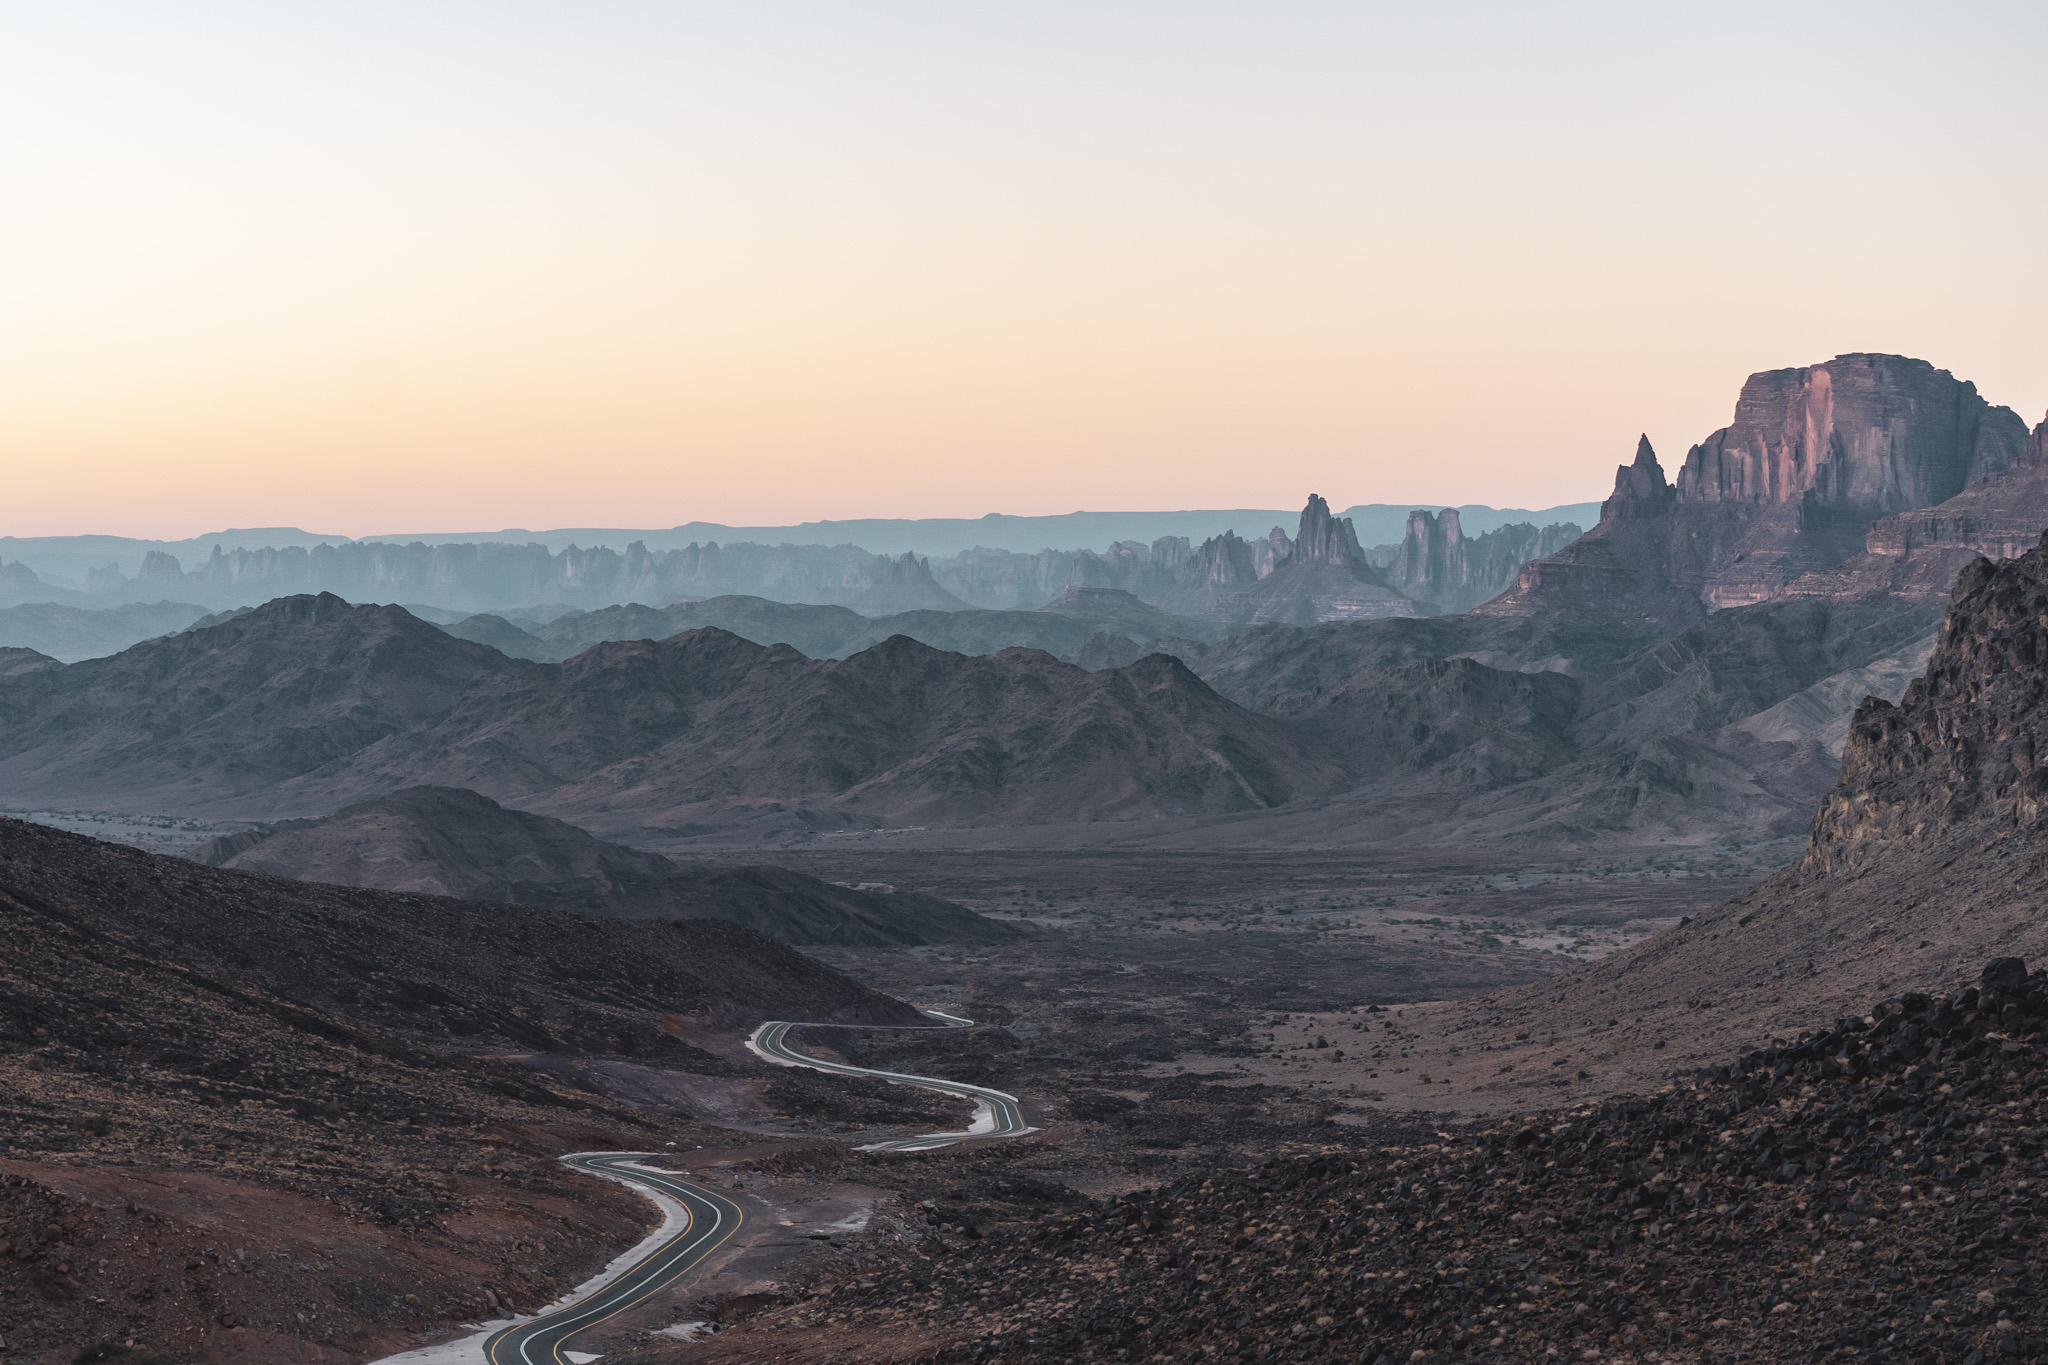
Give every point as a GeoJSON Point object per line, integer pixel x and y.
{"type": "Point", "coordinates": [995, 1113]}
{"type": "Point", "coordinates": [712, 1219]}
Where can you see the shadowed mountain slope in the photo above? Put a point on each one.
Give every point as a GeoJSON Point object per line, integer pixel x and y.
{"type": "Point", "coordinates": [450, 842]}
{"type": "Point", "coordinates": [308, 703]}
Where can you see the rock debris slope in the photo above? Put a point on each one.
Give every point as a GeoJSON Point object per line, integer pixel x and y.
{"type": "Point", "coordinates": [1869, 1188]}
{"type": "Point", "coordinates": [446, 841]}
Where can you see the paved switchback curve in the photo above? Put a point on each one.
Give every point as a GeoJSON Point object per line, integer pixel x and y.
{"type": "Point", "coordinates": [995, 1113]}
{"type": "Point", "coordinates": [710, 1219]}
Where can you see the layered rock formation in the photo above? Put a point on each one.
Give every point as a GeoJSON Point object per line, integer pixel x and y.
{"type": "Point", "coordinates": [1813, 457]}
{"type": "Point", "coordinates": [446, 841]}
{"type": "Point", "coordinates": [1437, 564]}
{"type": "Point", "coordinates": [1918, 554]}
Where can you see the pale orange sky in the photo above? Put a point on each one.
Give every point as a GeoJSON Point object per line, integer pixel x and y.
{"type": "Point", "coordinates": [635, 265]}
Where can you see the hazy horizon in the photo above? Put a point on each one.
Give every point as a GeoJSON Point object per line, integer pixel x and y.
{"type": "Point", "coordinates": [624, 265]}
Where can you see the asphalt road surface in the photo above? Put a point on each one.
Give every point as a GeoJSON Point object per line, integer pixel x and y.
{"type": "Point", "coordinates": [996, 1114]}
{"type": "Point", "coordinates": [712, 1220]}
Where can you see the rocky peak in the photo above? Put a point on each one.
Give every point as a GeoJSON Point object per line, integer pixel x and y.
{"type": "Point", "coordinates": [158, 567]}
{"type": "Point", "coordinates": [1271, 552]}
{"type": "Point", "coordinates": [1882, 432]}
{"type": "Point", "coordinates": [1640, 489]}
{"type": "Point", "coordinates": [1327, 539]}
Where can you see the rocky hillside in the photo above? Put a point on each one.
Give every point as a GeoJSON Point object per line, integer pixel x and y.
{"type": "Point", "coordinates": [1867, 1186]}
{"type": "Point", "coordinates": [1813, 457]}
{"type": "Point", "coordinates": [1952, 767]}
{"type": "Point", "coordinates": [252, 1119]}
{"type": "Point", "coordinates": [445, 841]}
{"type": "Point", "coordinates": [1925, 858]}
{"type": "Point", "coordinates": [308, 704]}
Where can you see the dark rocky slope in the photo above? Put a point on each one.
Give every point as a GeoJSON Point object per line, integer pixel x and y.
{"type": "Point", "coordinates": [1870, 1188]}
{"type": "Point", "coordinates": [252, 1119]}
{"type": "Point", "coordinates": [447, 841]}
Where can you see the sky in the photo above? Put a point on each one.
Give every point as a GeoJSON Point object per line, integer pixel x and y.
{"type": "Point", "coordinates": [375, 267]}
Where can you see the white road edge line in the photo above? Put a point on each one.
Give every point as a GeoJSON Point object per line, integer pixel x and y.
{"type": "Point", "coordinates": [469, 1350]}
{"type": "Point", "coordinates": [985, 1100]}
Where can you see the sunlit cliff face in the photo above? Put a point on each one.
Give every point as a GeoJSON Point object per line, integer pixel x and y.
{"type": "Point", "coordinates": [382, 268]}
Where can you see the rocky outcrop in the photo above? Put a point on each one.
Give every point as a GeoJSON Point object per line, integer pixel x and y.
{"type": "Point", "coordinates": [444, 841]}
{"type": "Point", "coordinates": [1814, 456]}
{"type": "Point", "coordinates": [1957, 756]}
{"type": "Point", "coordinates": [1324, 577]}
{"type": "Point", "coordinates": [1438, 565]}
{"type": "Point", "coordinates": [1212, 575]}
{"type": "Point", "coordinates": [902, 584]}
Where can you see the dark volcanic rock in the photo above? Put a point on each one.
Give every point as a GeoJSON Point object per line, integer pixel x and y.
{"type": "Point", "coordinates": [1869, 1188]}
{"type": "Point", "coordinates": [1814, 456]}
{"type": "Point", "coordinates": [447, 841]}
{"type": "Point", "coordinates": [1954, 763]}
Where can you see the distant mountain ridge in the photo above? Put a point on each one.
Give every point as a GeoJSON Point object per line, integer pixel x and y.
{"type": "Point", "coordinates": [308, 703]}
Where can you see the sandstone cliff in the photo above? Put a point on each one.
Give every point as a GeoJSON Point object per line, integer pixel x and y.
{"type": "Point", "coordinates": [1790, 487]}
